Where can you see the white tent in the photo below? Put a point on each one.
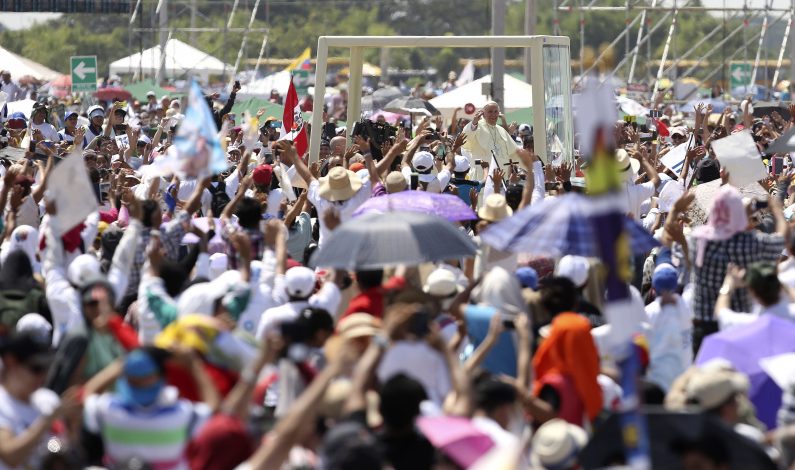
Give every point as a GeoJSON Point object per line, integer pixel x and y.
{"type": "Point", "coordinates": [518, 95]}
{"type": "Point", "coordinates": [279, 81]}
{"type": "Point", "coordinates": [20, 66]}
{"type": "Point", "coordinates": [182, 60]}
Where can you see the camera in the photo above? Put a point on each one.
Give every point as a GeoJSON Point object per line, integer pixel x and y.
{"type": "Point", "coordinates": [378, 133]}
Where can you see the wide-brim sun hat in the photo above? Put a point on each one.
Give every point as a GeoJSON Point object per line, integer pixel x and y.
{"type": "Point", "coordinates": [339, 185]}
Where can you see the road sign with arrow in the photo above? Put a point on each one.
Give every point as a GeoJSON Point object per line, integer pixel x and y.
{"type": "Point", "coordinates": [84, 73]}
{"type": "Point", "coordinates": [740, 75]}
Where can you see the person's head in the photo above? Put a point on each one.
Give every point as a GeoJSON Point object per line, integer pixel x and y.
{"type": "Point", "coordinates": [233, 154]}
{"type": "Point", "coordinates": [708, 169]}
{"type": "Point", "coordinates": [368, 279]}
{"type": "Point", "coordinates": [727, 217]}
{"type": "Point", "coordinates": [705, 453]}
{"type": "Point", "coordinates": [26, 359]}
{"type": "Point", "coordinates": [762, 280]}
{"type": "Point", "coordinates": [573, 268]}
{"type": "Point", "coordinates": [92, 294]}
{"type": "Point", "coordinates": [262, 176]}
{"type": "Point", "coordinates": [337, 146]}
{"type": "Point", "coordinates": [317, 325]}
{"type": "Point", "coordinates": [151, 97]}
{"type": "Point", "coordinates": [491, 113]}
{"type": "Point", "coordinates": [350, 445]}
{"type": "Point", "coordinates": [299, 282]}
{"type": "Point", "coordinates": [528, 277]}
{"type": "Point", "coordinates": [494, 209]}
{"type": "Point", "coordinates": [339, 185]}
{"type": "Point", "coordinates": [96, 115]}
{"type": "Point", "coordinates": [39, 113]}
{"type": "Point", "coordinates": [556, 444]}
{"type": "Point", "coordinates": [401, 396]}
{"type": "Point", "coordinates": [249, 213]}
{"type": "Point", "coordinates": [716, 391]}
{"type": "Point", "coordinates": [462, 166]}
{"type": "Point", "coordinates": [395, 182]}
{"type": "Point", "coordinates": [558, 295]}
{"type": "Point", "coordinates": [678, 135]}
{"type": "Point", "coordinates": [497, 400]}
{"type": "Point", "coordinates": [70, 120]}
{"type": "Point", "coordinates": [142, 378]}
{"type": "Point", "coordinates": [334, 161]}
{"type": "Point", "coordinates": [664, 279]}
{"type": "Point", "coordinates": [6, 76]}
{"type": "Point", "coordinates": [325, 149]}
{"type": "Point", "coordinates": [152, 214]}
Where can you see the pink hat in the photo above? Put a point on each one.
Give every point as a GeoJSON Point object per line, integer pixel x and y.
{"type": "Point", "coordinates": [727, 217]}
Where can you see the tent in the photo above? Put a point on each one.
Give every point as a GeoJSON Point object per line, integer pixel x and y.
{"type": "Point", "coordinates": [518, 95]}
{"type": "Point", "coordinates": [279, 81]}
{"type": "Point", "coordinates": [20, 66]}
{"type": "Point", "coordinates": [182, 60]}
{"type": "Point", "coordinates": [139, 90]}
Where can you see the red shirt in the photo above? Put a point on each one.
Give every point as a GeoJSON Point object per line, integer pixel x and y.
{"type": "Point", "coordinates": [372, 300]}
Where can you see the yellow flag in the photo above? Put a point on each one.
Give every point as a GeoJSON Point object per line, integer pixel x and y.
{"type": "Point", "coordinates": [306, 55]}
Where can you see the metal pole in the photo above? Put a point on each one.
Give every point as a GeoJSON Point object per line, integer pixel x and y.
{"type": "Point", "coordinates": [555, 19]}
{"type": "Point", "coordinates": [645, 39]}
{"type": "Point", "coordinates": [694, 48]}
{"type": "Point", "coordinates": [141, 42]}
{"type": "Point", "coordinates": [261, 51]}
{"type": "Point", "coordinates": [781, 50]}
{"type": "Point", "coordinates": [354, 91]}
{"type": "Point", "coordinates": [582, 38]}
{"type": "Point", "coordinates": [193, 20]}
{"type": "Point", "coordinates": [610, 46]}
{"type": "Point", "coordinates": [497, 53]}
{"type": "Point", "coordinates": [792, 50]}
{"type": "Point", "coordinates": [245, 40]}
{"type": "Point", "coordinates": [530, 19]}
{"type": "Point", "coordinates": [715, 48]}
{"type": "Point", "coordinates": [232, 14]}
{"type": "Point", "coordinates": [665, 53]}
{"type": "Point", "coordinates": [163, 16]}
{"type": "Point", "coordinates": [320, 92]}
{"type": "Point", "coordinates": [759, 51]}
{"type": "Point", "coordinates": [640, 36]}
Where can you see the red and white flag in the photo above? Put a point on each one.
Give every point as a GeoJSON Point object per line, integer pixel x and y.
{"type": "Point", "coordinates": [293, 122]}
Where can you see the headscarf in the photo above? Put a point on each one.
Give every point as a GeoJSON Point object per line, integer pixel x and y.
{"type": "Point", "coordinates": [25, 239]}
{"type": "Point", "coordinates": [16, 272]}
{"type": "Point", "coordinates": [501, 290]}
{"type": "Point", "coordinates": [570, 350]}
{"type": "Point", "coordinates": [727, 217]}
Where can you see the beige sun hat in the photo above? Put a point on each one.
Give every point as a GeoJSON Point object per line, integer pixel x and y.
{"type": "Point", "coordinates": [395, 182]}
{"type": "Point", "coordinates": [628, 167]}
{"type": "Point", "coordinates": [495, 208]}
{"type": "Point", "coordinates": [556, 444]}
{"type": "Point", "coordinates": [339, 185]}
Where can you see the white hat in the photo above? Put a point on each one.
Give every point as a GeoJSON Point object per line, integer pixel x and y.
{"type": "Point", "coordinates": [628, 166]}
{"type": "Point", "coordinates": [299, 281]}
{"type": "Point", "coordinates": [339, 185]}
{"type": "Point", "coordinates": [201, 297]}
{"type": "Point", "coordinates": [36, 324]}
{"type": "Point", "coordinates": [524, 129]}
{"type": "Point", "coordinates": [96, 110]}
{"type": "Point", "coordinates": [495, 208]}
{"type": "Point", "coordinates": [150, 93]}
{"type": "Point", "coordinates": [574, 268]}
{"type": "Point", "coordinates": [712, 388]}
{"type": "Point", "coordinates": [145, 139]}
{"type": "Point", "coordinates": [422, 161]}
{"type": "Point", "coordinates": [461, 164]}
{"type": "Point", "coordinates": [678, 130]}
{"type": "Point", "coordinates": [441, 282]}
{"type": "Point", "coordinates": [556, 444]}
{"type": "Point", "coordinates": [83, 269]}
{"type": "Point", "coordinates": [218, 264]}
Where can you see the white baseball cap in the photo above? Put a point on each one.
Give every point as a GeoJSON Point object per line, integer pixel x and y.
{"type": "Point", "coordinates": [96, 110]}
{"type": "Point", "coordinates": [83, 269]}
{"type": "Point", "coordinates": [574, 268]}
{"type": "Point", "coordinates": [299, 281]}
{"type": "Point", "coordinates": [461, 164]}
{"type": "Point", "coordinates": [422, 161]}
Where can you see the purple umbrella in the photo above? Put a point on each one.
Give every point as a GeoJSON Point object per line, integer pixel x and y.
{"type": "Point", "coordinates": [445, 206]}
{"type": "Point", "coordinates": [744, 347]}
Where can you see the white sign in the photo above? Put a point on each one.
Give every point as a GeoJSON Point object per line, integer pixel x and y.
{"type": "Point", "coordinates": [70, 187]}
{"type": "Point", "coordinates": [740, 156]}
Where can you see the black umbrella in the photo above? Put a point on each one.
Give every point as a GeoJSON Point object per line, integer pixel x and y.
{"type": "Point", "coordinates": [785, 143]}
{"type": "Point", "coordinates": [766, 108]}
{"type": "Point", "coordinates": [380, 98]}
{"type": "Point", "coordinates": [409, 105]}
{"type": "Point", "coordinates": [669, 433]}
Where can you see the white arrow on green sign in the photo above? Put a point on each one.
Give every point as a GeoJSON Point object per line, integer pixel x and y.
{"type": "Point", "coordinates": [84, 73]}
{"type": "Point", "coordinates": [739, 75]}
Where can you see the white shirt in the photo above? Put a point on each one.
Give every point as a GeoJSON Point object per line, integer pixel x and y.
{"type": "Point", "coordinates": [48, 131]}
{"type": "Point", "coordinates": [435, 183]}
{"type": "Point", "coordinates": [728, 318]}
{"type": "Point", "coordinates": [327, 298]}
{"type": "Point", "coordinates": [12, 90]}
{"type": "Point", "coordinates": [17, 416]}
{"type": "Point", "coordinates": [345, 208]}
{"type": "Point", "coordinates": [275, 195]}
{"type": "Point", "coordinates": [635, 194]}
{"type": "Point", "coordinates": [670, 330]}
{"type": "Point", "coordinates": [186, 189]}
{"type": "Point", "coordinates": [421, 362]}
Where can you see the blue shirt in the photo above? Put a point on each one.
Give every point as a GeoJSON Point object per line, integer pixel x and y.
{"type": "Point", "coordinates": [502, 357]}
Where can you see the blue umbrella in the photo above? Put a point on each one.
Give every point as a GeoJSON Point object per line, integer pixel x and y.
{"type": "Point", "coordinates": [757, 92]}
{"type": "Point", "coordinates": [559, 226]}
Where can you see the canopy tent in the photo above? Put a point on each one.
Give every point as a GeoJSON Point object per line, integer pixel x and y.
{"type": "Point", "coordinates": [252, 105]}
{"type": "Point", "coordinates": [139, 90]}
{"type": "Point", "coordinates": [20, 67]}
{"type": "Point", "coordinates": [279, 81]}
{"type": "Point", "coordinates": [181, 60]}
{"type": "Point", "coordinates": [518, 95]}
{"type": "Point", "coordinates": [368, 70]}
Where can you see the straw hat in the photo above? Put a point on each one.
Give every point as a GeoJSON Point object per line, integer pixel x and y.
{"type": "Point", "coordinates": [355, 325]}
{"type": "Point", "coordinates": [495, 208]}
{"type": "Point", "coordinates": [556, 444]}
{"type": "Point", "coordinates": [395, 182]}
{"type": "Point", "coordinates": [626, 165]}
{"type": "Point", "coordinates": [339, 185]}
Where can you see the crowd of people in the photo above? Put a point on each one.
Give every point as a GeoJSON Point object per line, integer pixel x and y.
{"type": "Point", "coordinates": [184, 325]}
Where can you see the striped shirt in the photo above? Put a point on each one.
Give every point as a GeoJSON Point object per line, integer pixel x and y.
{"type": "Point", "coordinates": [157, 435]}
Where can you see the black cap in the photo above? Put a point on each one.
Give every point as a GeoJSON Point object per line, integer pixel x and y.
{"type": "Point", "coordinates": [28, 348]}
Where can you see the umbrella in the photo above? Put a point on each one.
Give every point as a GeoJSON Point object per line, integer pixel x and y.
{"type": "Point", "coordinates": [669, 430]}
{"type": "Point", "coordinates": [61, 87]}
{"type": "Point", "coordinates": [766, 108]}
{"type": "Point", "coordinates": [375, 241]}
{"type": "Point", "coordinates": [785, 143]}
{"type": "Point", "coordinates": [744, 347]}
{"type": "Point", "coordinates": [113, 93]}
{"type": "Point", "coordinates": [409, 105]}
{"type": "Point", "coordinates": [446, 206]}
{"type": "Point", "coordinates": [380, 98]}
{"type": "Point", "coordinates": [556, 227]}
{"type": "Point", "coordinates": [457, 437]}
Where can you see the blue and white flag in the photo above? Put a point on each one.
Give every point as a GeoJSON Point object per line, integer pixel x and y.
{"type": "Point", "coordinates": [197, 151]}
